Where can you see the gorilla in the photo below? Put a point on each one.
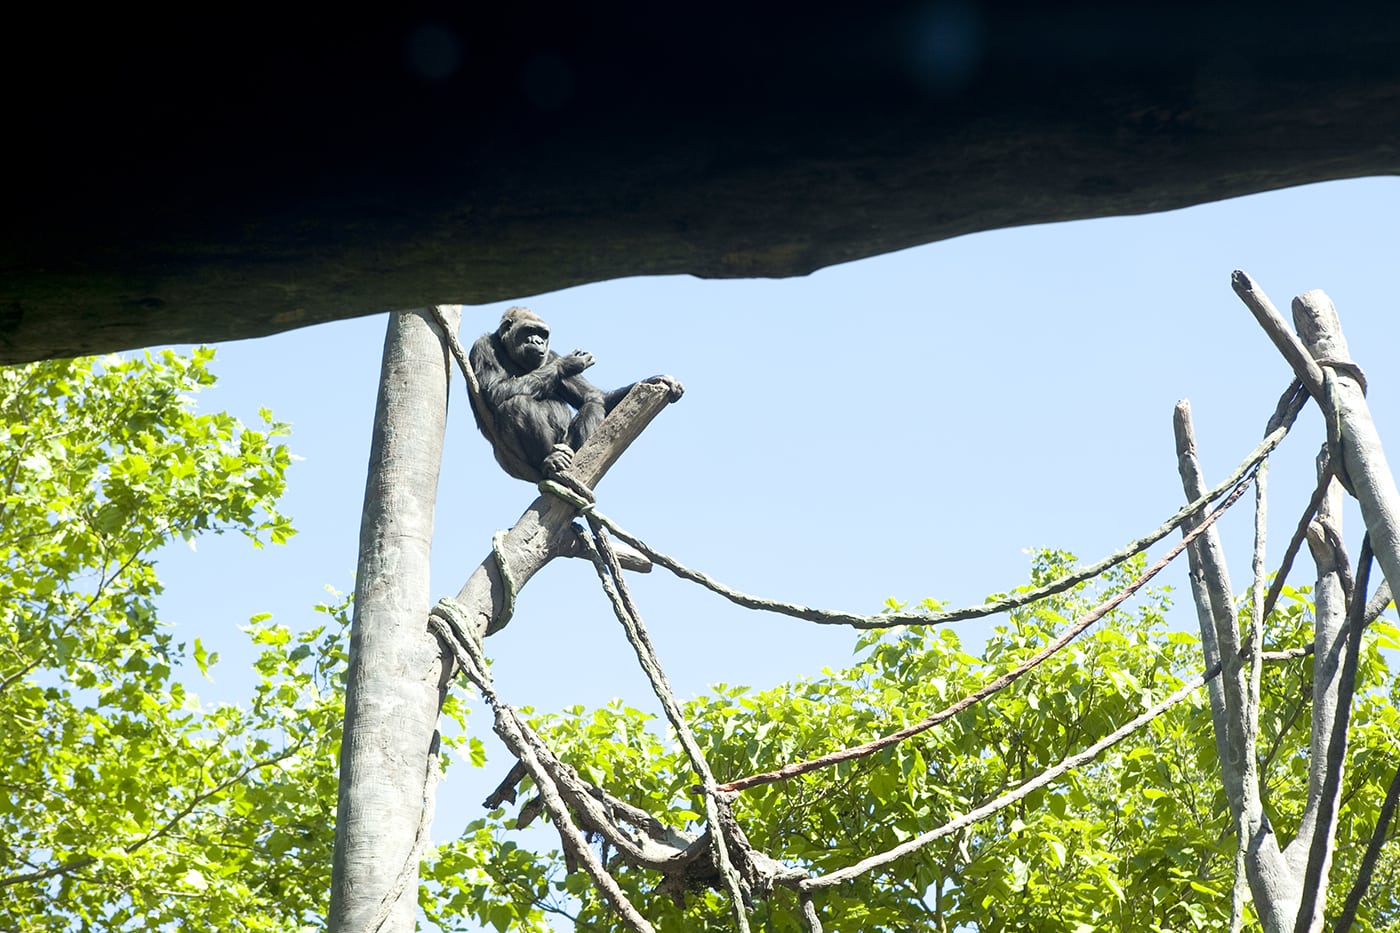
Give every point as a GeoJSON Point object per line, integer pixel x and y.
{"type": "Point", "coordinates": [541, 408]}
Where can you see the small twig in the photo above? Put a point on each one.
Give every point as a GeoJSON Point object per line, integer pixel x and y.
{"type": "Point", "coordinates": [42, 656]}
{"type": "Point", "coordinates": [43, 874]}
{"type": "Point", "coordinates": [1286, 723]}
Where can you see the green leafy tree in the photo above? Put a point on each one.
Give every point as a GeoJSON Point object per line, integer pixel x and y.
{"type": "Point", "coordinates": [1140, 839]}
{"type": "Point", "coordinates": [125, 804]}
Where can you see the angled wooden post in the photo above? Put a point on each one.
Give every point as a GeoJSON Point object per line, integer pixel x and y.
{"type": "Point", "coordinates": [545, 529]}
{"type": "Point", "coordinates": [1319, 357]}
{"type": "Point", "coordinates": [1340, 394]}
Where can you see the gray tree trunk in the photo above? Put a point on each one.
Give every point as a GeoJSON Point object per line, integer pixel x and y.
{"type": "Point", "coordinates": [397, 675]}
{"type": "Point", "coordinates": [1276, 892]}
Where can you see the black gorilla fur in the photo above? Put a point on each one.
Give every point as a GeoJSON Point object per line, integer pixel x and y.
{"type": "Point", "coordinates": [542, 409]}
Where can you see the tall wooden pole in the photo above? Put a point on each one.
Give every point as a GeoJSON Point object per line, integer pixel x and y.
{"type": "Point", "coordinates": [397, 675]}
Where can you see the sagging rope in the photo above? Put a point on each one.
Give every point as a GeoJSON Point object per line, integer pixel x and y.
{"type": "Point", "coordinates": [1089, 618]}
{"type": "Point", "coordinates": [806, 886]}
{"type": "Point", "coordinates": [609, 571]}
{"type": "Point", "coordinates": [1289, 405]}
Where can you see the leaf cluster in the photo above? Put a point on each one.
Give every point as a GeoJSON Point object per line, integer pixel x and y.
{"type": "Point", "coordinates": [125, 804]}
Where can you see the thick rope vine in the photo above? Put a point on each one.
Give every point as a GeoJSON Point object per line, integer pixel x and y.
{"type": "Point", "coordinates": [610, 574]}
{"type": "Point", "coordinates": [611, 578]}
{"type": "Point", "coordinates": [1083, 622]}
{"type": "Point", "coordinates": [449, 620]}
{"type": "Point", "coordinates": [1290, 404]}
{"type": "Point", "coordinates": [533, 754]}
{"type": "Point", "coordinates": [508, 585]}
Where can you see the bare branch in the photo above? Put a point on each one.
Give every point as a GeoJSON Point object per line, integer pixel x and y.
{"type": "Point", "coordinates": [1278, 331]}
{"type": "Point", "coordinates": [1274, 889]}
{"type": "Point", "coordinates": [1295, 543]}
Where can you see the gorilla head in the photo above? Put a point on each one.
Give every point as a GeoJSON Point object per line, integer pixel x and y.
{"type": "Point", "coordinates": [524, 337]}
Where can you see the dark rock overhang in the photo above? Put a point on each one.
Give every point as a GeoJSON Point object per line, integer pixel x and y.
{"type": "Point", "coordinates": [198, 178]}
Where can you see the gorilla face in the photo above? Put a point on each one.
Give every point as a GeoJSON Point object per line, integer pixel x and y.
{"type": "Point", "coordinates": [528, 345]}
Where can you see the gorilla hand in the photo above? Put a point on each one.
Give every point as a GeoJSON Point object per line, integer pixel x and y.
{"type": "Point", "coordinates": [575, 362]}
{"type": "Point", "coordinates": [559, 460]}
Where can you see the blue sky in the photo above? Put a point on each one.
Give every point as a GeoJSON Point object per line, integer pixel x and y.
{"type": "Point", "coordinates": [904, 426]}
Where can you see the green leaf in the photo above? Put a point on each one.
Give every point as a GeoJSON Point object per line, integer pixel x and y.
{"type": "Point", "coordinates": [201, 657]}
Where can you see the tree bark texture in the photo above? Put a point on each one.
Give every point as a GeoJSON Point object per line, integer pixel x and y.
{"type": "Point", "coordinates": [1287, 894]}
{"type": "Point", "coordinates": [1274, 888]}
{"type": "Point", "coordinates": [397, 675]}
